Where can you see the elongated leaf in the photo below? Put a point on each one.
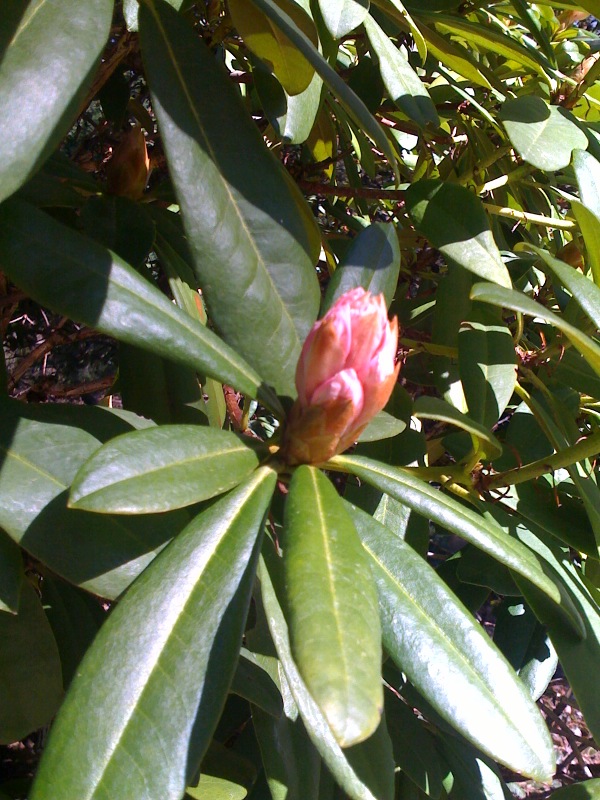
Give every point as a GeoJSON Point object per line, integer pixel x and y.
{"type": "Point", "coordinates": [466, 239]}
{"type": "Point", "coordinates": [589, 225]}
{"type": "Point", "coordinates": [375, 783]}
{"type": "Point", "coordinates": [454, 56]}
{"type": "Point", "coordinates": [266, 41]}
{"type": "Point", "coordinates": [34, 118]}
{"type": "Point", "coordinates": [74, 276]}
{"type": "Point", "coordinates": [505, 298]}
{"type": "Point", "coordinates": [43, 447]}
{"type": "Point", "coordinates": [587, 172]}
{"type": "Point", "coordinates": [159, 469]}
{"type": "Point", "coordinates": [426, 407]}
{"type": "Point", "coordinates": [586, 790]}
{"type": "Point", "coordinates": [585, 292]}
{"type": "Point", "coordinates": [333, 620]}
{"type": "Point", "coordinates": [488, 39]}
{"type": "Point", "coordinates": [542, 134]}
{"type": "Point", "coordinates": [450, 514]}
{"type": "Point", "coordinates": [576, 655]}
{"type": "Point", "coordinates": [372, 262]}
{"type": "Point", "coordinates": [247, 232]}
{"type": "Point", "coordinates": [292, 116]}
{"type": "Point", "coordinates": [472, 685]}
{"type": "Point", "coordinates": [30, 673]}
{"type": "Point", "coordinates": [402, 83]}
{"type": "Point", "coordinates": [396, 10]}
{"type": "Point", "coordinates": [162, 663]}
{"type": "Point", "coordinates": [353, 106]}
{"type": "Point", "coordinates": [254, 683]}
{"type": "Point", "coordinates": [342, 16]}
{"type": "Point", "coordinates": [487, 365]}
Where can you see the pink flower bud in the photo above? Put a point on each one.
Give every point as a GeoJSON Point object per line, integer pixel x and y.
{"type": "Point", "coordinates": [345, 375]}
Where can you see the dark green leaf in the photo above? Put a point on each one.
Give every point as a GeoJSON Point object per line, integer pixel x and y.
{"type": "Point", "coordinates": [332, 608]}
{"type": "Point", "coordinates": [11, 574]}
{"type": "Point", "coordinates": [427, 407]}
{"type": "Point", "coordinates": [254, 683]}
{"type": "Point", "coordinates": [30, 673]}
{"type": "Point", "coordinates": [33, 116]}
{"type": "Point", "coordinates": [467, 240]}
{"type": "Point", "coordinates": [43, 447]}
{"type": "Point", "coordinates": [471, 686]}
{"type": "Point", "coordinates": [162, 468]}
{"type": "Point", "coordinates": [123, 226]}
{"type": "Point", "coordinates": [74, 276]}
{"type": "Point", "coordinates": [372, 262]}
{"type": "Point", "coordinates": [245, 222]}
{"type": "Point", "coordinates": [162, 664]}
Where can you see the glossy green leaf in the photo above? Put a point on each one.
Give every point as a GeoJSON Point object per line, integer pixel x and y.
{"type": "Point", "coordinates": [543, 135]}
{"type": "Point", "coordinates": [585, 790]}
{"type": "Point", "coordinates": [43, 447]}
{"type": "Point", "coordinates": [332, 608]}
{"type": "Point", "coordinates": [577, 655]}
{"type": "Point", "coordinates": [487, 366]}
{"type": "Point", "coordinates": [402, 83]}
{"type": "Point", "coordinates": [395, 10]}
{"type": "Point", "coordinates": [292, 116]}
{"type": "Point", "coordinates": [427, 407]}
{"type": "Point", "coordinates": [450, 514]}
{"type": "Point", "coordinates": [585, 292]}
{"type": "Point", "coordinates": [123, 226]}
{"type": "Point", "coordinates": [466, 240]}
{"type": "Point", "coordinates": [243, 218]}
{"type": "Point", "coordinates": [587, 172]}
{"type": "Point", "coordinates": [505, 298]}
{"type": "Point", "coordinates": [11, 574]}
{"type": "Point", "coordinates": [210, 787]}
{"type": "Point", "coordinates": [30, 674]}
{"type": "Point", "coordinates": [162, 468]}
{"type": "Point", "coordinates": [373, 262]}
{"type": "Point", "coordinates": [472, 685]}
{"type": "Point", "coordinates": [226, 775]}
{"type": "Point", "coordinates": [131, 8]}
{"type": "Point", "coordinates": [372, 784]}
{"type": "Point", "coordinates": [343, 16]}
{"type": "Point", "coordinates": [353, 106]}
{"type": "Point", "coordinates": [382, 426]}
{"type": "Point", "coordinates": [174, 636]}
{"type": "Point", "coordinates": [74, 276]}
{"type": "Point", "coordinates": [471, 776]}
{"type": "Point", "coordinates": [34, 119]}
{"type": "Point", "coordinates": [267, 42]}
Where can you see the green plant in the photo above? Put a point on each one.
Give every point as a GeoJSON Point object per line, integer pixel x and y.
{"type": "Point", "coordinates": [443, 154]}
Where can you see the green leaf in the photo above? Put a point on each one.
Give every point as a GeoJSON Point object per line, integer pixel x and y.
{"type": "Point", "coordinates": [162, 468]}
{"type": "Point", "coordinates": [349, 101]}
{"type": "Point", "coordinates": [427, 407]}
{"type": "Point", "coordinates": [33, 117]}
{"type": "Point", "coordinates": [377, 783]}
{"type": "Point", "coordinates": [587, 172]}
{"type": "Point", "coordinates": [244, 220]}
{"type": "Point", "coordinates": [266, 41]}
{"type": "Point", "coordinates": [589, 225]}
{"type": "Point", "coordinates": [486, 38]}
{"type": "Point", "coordinates": [252, 682]}
{"type": "Point", "coordinates": [466, 240]}
{"type": "Point", "coordinates": [11, 574]}
{"type": "Point", "coordinates": [577, 655]}
{"type": "Point", "coordinates": [332, 608]}
{"type": "Point", "coordinates": [506, 298]}
{"type": "Point", "coordinates": [373, 262]}
{"type": "Point", "coordinates": [585, 291]}
{"type": "Point", "coordinates": [401, 82]}
{"type": "Point", "coordinates": [226, 775]}
{"type": "Point", "coordinates": [586, 790]}
{"type": "Point", "coordinates": [30, 674]}
{"type": "Point", "coordinates": [382, 426]}
{"type": "Point", "coordinates": [455, 57]}
{"type": "Point", "coordinates": [341, 17]}
{"type": "Point", "coordinates": [543, 135]}
{"type": "Point", "coordinates": [450, 514]}
{"type": "Point", "coordinates": [161, 665]}
{"type": "Point", "coordinates": [43, 446]}
{"type": "Point", "coordinates": [74, 276]}
{"type": "Point", "coordinates": [120, 224]}
{"type": "Point", "coordinates": [292, 116]}
{"type": "Point", "coordinates": [472, 686]}
{"type": "Point", "coordinates": [487, 365]}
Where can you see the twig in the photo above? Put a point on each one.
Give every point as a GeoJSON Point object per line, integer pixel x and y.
{"type": "Point", "coordinates": [311, 187]}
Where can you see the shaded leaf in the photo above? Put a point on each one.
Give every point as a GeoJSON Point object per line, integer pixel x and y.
{"type": "Point", "coordinates": [11, 574]}
{"type": "Point", "coordinates": [34, 119]}
{"type": "Point", "coordinates": [426, 407]}
{"type": "Point", "coordinates": [342, 16]}
{"type": "Point", "coordinates": [247, 225]}
{"type": "Point", "coordinates": [175, 634]}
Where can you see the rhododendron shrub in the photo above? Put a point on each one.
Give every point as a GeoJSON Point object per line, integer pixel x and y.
{"type": "Point", "coordinates": [345, 255]}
